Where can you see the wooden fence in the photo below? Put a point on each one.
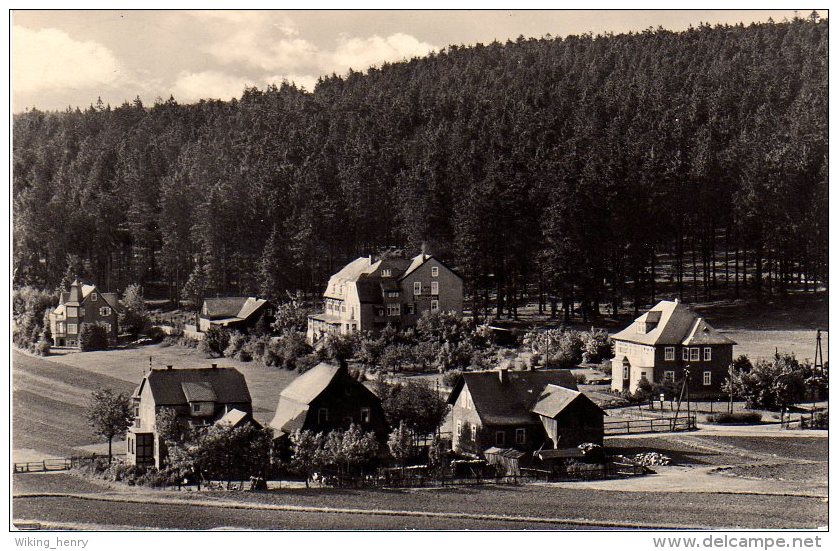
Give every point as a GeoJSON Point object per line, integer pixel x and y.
{"type": "Point", "coordinates": [58, 463]}
{"type": "Point", "coordinates": [637, 426]}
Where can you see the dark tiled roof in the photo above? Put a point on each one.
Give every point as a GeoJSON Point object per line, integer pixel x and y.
{"type": "Point", "coordinates": [510, 402]}
{"type": "Point", "coordinates": [228, 384]}
{"type": "Point", "coordinates": [223, 307]}
{"type": "Point", "coordinates": [198, 392]}
{"type": "Point", "coordinates": [556, 399]}
{"type": "Point", "coordinates": [369, 291]}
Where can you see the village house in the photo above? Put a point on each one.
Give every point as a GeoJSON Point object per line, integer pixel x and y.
{"type": "Point", "coordinates": [369, 294]}
{"type": "Point", "coordinates": [238, 313]}
{"type": "Point", "coordinates": [523, 410]}
{"type": "Point", "coordinates": [663, 343]}
{"type": "Point", "coordinates": [199, 397]}
{"type": "Point", "coordinates": [327, 398]}
{"type": "Point", "coordinates": [83, 304]}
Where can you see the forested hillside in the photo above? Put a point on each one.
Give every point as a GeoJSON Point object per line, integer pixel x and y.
{"type": "Point", "coordinates": [566, 166]}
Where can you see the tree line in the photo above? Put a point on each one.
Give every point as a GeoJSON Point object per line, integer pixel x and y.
{"type": "Point", "coordinates": [587, 170]}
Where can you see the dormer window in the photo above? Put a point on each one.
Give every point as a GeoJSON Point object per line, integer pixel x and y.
{"type": "Point", "coordinates": [386, 272]}
{"type": "Point", "coordinates": [641, 328]}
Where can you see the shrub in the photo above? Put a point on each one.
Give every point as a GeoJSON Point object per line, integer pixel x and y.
{"type": "Point", "coordinates": [215, 342]}
{"type": "Point", "coordinates": [133, 317]}
{"type": "Point", "coordinates": [93, 336]}
{"type": "Point", "coordinates": [580, 378]}
{"type": "Point", "coordinates": [43, 347]}
{"type": "Point", "coordinates": [451, 378]}
{"type": "Point", "coordinates": [743, 417]}
{"type": "Point", "coordinates": [255, 347]}
{"type": "Point", "coordinates": [235, 344]}
{"type": "Point", "coordinates": [596, 346]}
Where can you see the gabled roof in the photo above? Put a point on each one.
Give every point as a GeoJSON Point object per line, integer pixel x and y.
{"type": "Point", "coordinates": [294, 400]}
{"type": "Point", "coordinates": [112, 299]}
{"type": "Point", "coordinates": [555, 399]}
{"type": "Point", "coordinates": [167, 385]}
{"type": "Point", "coordinates": [232, 418]}
{"type": "Point", "coordinates": [415, 262]}
{"type": "Point", "coordinates": [702, 333]}
{"type": "Point", "coordinates": [675, 323]}
{"type": "Point", "coordinates": [200, 391]}
{"type": "Point", "coordinates": [509, 402]}
{"type": "Point", "coordinates": [231, 308]}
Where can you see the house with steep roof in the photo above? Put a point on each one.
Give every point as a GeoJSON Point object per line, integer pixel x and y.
{"type": "Point", "coordinates": [83, 304]}
{"type": "Point", "coordinates": [199, 397]}
{"type": "Point", "coordinates": [327, 398]}
{"type": "Point", "coordinates": [665, 343]}
{"type": "Point", "coordinates": [368, 294]}
{"type": "Point", "coordinates": [524, 410]}
{"type": "Point", "coordinates": [239, 313]}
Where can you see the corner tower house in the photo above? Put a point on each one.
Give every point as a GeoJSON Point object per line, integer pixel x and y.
{"type": "Point", "coordinates": [664, 342]}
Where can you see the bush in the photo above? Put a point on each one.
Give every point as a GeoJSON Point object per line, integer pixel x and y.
{"type": "Point", "coordinates": [451, 378]}
{"type": "Point", "coordinates": [235, 344]}
{"type": "Point", "coordinates": [133, 317]}
{"type": "Point", "coordinates": [93, 336]}
{"type": "Point", "coordinates": [580, 378]}
{"type": "Point", "coordinates": [215, 342]}
{"type": "Point", "coordinates": [744, 418]}
{"type": "Point", "coordinates": [43, 347]}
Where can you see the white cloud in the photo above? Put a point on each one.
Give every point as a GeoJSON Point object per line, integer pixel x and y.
{"type": "Point", "coordinates": [191, 87]}
{"type": "Point", "coordinates": [361, 53]}
{"type": "Point", "coordinates": [271, 43]}
{"type": "Point", "coordinates": [50, 59]}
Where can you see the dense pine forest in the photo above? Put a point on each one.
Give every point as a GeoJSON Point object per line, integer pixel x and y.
{"type": "Point", "coordinates": [585, 170]}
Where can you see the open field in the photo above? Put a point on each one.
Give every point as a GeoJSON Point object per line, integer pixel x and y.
{"type": "Point", "coordinates": [50, 395]}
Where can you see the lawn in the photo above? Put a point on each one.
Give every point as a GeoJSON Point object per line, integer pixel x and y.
{"type": "Point", "coordinates": [50, 395]}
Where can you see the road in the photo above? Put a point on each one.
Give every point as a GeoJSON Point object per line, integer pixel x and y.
{"type": "Point", "coordinates": [40, 497]}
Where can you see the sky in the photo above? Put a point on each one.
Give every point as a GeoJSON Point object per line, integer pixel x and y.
{"type": "Point", "coordinates": [70, 58]}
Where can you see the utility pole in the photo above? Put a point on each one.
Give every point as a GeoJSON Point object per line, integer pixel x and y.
{"type": "Point", "coordinates": [818, 353]}
{"type": "Point", "coordinates": [730, 387]}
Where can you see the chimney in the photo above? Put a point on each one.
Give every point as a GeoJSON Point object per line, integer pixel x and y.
{"type": "Point", "coordinates": [168, 367]}
{"type": "Point", "coordinates": [676, 300]}
{"type": "Point", "coordinates": [214, 366]}
{"type": "Point", "coordinates": [503, 374]}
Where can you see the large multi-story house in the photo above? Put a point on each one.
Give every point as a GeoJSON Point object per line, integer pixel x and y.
{"type": "Point", "coordinates": [82, 304]}
{"type": "Point", "coordinates": [369, 294]}
{"type": "Point", "coordinates": [199, 397]}
{"type": "Point", "coordinates": [525, 410]}
{"type": "Point", "coordinates": [664, 342]}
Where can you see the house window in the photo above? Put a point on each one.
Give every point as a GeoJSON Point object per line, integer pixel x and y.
{"type": "Point", "coordinates": [60, 326]}
{"type": "Point", "coordinates": [474, 432]}
{"type": "Point", "coordinates": [196, 408]}
{"type": "Point", "coordinates": [621, 348]}
{"type": "Point", "coordinates": [94, 297]}
{"type": "Point", "coordinates": [520, 436]}
{"type": "Point", "coordinates": [694, 354]}
{"type": "Point", "coordinates": [669, 353]}
{"type": "Point", "coordinates": [669, 376]}
{"type": "Point", "coordinates": [411, 308]}
{"type": "Point", "coordinates": [459, 428]}
{"type": "Point", "coordinates": [434, 287]}
{"type": "Point", "coordinates": [393, 294]}
{"type": "Point", "coordinates": [322, 416]}
{"type": "Point", "coordinates": [434, 305]}
{"type": "Point", "coordinates": [500, 438]}
{"type": "Point", "coordinates": [72, 312]}
{"type": "Point", "coordinates": [379, 312]}
{"type": "Point", "coordinates": [394, 309]}
{"type": "Point", "coordinates": [108, 327]}
{"type": "Point", "coordinates": [708, 377]}
{"type": "Point", "coordinates": [625, 372]}
{"type": "Point", "coordinates": [385, 273]}
{"type": "Point", "coordinates": [708, 354]}
{"type": "Point", "coordinates": [643, 375]}
{"type": "Point", "coordinates": [72, 328]}
{"type": "Point", "coordinates": [685, 353]}
{"type": "Point", "coordinates": [365, 415]}
{"type": "Point", "coordinates": [269, 311]}
{"type": "Point", "coordinates": [417, 287]}
{"type": "Point", "coordinates": [434, 271]}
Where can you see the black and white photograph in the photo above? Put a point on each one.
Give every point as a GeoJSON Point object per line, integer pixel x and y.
{"type": "Point", "coordinates": [379, 270]}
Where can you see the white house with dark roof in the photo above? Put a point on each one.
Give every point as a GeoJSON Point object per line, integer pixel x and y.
{"type": "Point", "coordinates": [664, 343]}
{"type": "Point", "coordinates": [82, 304]}
{"type": "Point", "coordinates": [199, 397]}
{"type": "Point", "coordinates": [369, 294]}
